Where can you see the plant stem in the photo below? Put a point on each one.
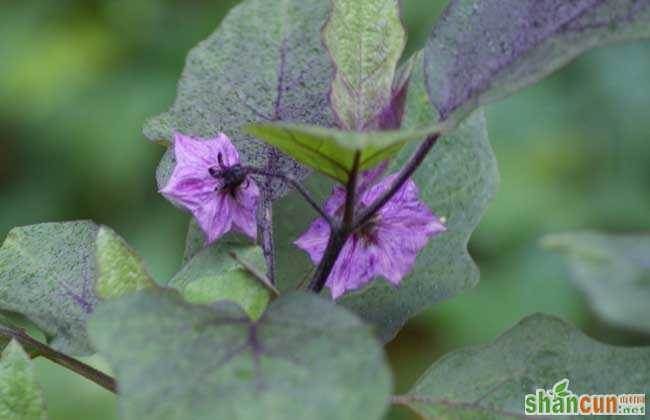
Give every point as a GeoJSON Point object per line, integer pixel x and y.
{"type": "Point", "coordinates": [338, 234]}
{"type": "Point", "coordinates": [295, 184]}
{"type": "Point", "coordinates": [334, 247]}
{"type": "Point", "coordinates": [61, 359]}
{"type": "Point", "coordinates": [414, 162]}
{"type": "Point", "coordinates": [265, 221]}
{"type": "Point", "coordinates": [255, 273]}
{"type": "Point", "coordinates": [351, 192]}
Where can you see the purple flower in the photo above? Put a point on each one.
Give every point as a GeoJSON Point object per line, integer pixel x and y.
{"type": "Point", "coordinates": [208, 180]}
{"type": "Point", "coordinates": [386, 246]}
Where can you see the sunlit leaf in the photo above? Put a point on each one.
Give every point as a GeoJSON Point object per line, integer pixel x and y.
{"type": "Point", "coordinates": [613, 271]}
{"type": "Point", "coordinates": [490, 382]}
{"type": "Point", "coordinates": [304, 357]}
{"type": "Point", "coordinates": [483, 50]}
{"type": "Point", "coordinates": [121, 270]}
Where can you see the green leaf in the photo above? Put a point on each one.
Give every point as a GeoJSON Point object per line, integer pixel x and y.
{"type": "Point", "coordinates": [332, 152]}
{"type": "Point", "coordinates": [213, 275]}
{"type": "Point", "coordinates": [194, 240]}
{"type": "Point", "coordinates": [20, 394]}
{"type": "Point", "coordinates": [305, 355]}
{"type": "Point", "coordinates": [121, 270]}
{"type": "Point", "coordinates": [483, 50]}
{"type": "Point", "coordinates": [265, 62]}
{"type": "Point", "coordinates": [366, 40]}
{"type": "Point", "coordinates": [490, 382]}
{"type": "Point", "coordinates": [47, 274]}
{"type": "Point", "coordinates": [457, 180]}
{"type": "Point", "coordinates": [613, 270]}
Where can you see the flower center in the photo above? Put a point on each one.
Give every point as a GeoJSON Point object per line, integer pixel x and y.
{"type": "Point", "coordinates": [367, 231]}
{"type": "Point", "coordinates": [232, 176]}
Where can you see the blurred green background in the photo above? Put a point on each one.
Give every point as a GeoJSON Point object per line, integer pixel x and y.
{"type": "Point", "coordinates": [78, 78]}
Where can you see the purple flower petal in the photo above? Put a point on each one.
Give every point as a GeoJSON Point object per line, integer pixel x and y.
{"type": "Point", "coordinates": [355, 267]}
{"type": "Point", "coordinates": [216, 209]}
{"type": "Point", "coordinates": [314, 241]}
{"type": "Point", "coordinates": [248, 197]}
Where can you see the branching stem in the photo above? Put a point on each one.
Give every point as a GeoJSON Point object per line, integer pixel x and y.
{"type": "Point", "coordinates": [340, 233]}
{"type": "Point", "coordinates": [295, 184]}
{"type": "Point", "coordinates": [61, 359]}
{"type": "Point", "coordinates": [414, 162]}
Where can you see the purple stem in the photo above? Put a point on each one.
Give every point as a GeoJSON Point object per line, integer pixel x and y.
{"type": "Point", "coordinates": [266, 227]}
{"type": "Point", "coordinates": [295, 184]}
{"type": "Point", "coordinates": [414, 162]}
{"type": "Point", "coordinates": [61, 359]}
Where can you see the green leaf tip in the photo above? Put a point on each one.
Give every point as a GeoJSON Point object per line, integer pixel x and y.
{"type": "Point", "coordinates": [365, 40]}
{"type": "Point", "coordinates": [120, 269]}
{"type": "Point", "coordinates": [213, 274]}
{"type": "Point", "coordinates": [20, 394]}
{"type": "Point", "coordinates": [612, 270]}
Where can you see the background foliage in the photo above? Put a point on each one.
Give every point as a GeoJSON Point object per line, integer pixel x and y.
{"type": "Point", "coordinates": [78, 78]}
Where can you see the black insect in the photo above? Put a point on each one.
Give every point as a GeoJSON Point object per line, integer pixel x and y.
{"type": "Point", "coordinates": [233, 176]}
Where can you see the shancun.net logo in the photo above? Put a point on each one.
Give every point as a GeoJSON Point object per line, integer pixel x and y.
{"type": "Point", "coordinates": [560, 401]}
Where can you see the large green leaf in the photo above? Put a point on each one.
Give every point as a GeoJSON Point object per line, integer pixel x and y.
{"type": "Point", "coordinates": [366, 40]}
{"type": "Point", "coordinates": [483, 50]}
{"type": "Point", "coordinates": [265, 62]}
{"type": "Point", "coordinates": [213, 274]}
{"type": "Point", "coordinates": [457, 180]}
{"type": "Point", "coordinates": [613, 271]}
{"type": "Point", "coordinates": [120, 269]}
{"type": "Point", "coordinates": [332, 152]}
{"type": "Point", "coordinates": [20, 394]}
{"type": "Point", "coordinates": [305, 357]}
{"type": "Point", "coordinates": [490, 382]}
{"type": "Point", "coordinates": [48, 273]}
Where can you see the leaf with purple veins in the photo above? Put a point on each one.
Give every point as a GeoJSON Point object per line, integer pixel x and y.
{"type": "Point", "coordinates": [264, 63]}
{"type": "Point", "coordinates": [365, 40]}
{"type": "Point", "coordinates": [483, 50]}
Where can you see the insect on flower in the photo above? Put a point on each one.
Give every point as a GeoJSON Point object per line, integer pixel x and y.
{"type": "Point", "coordinates": [209, 181]}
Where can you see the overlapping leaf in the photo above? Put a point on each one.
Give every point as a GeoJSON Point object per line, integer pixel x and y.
{"type": "Point", "coordinates": [120, 269]}
{"type": "Point", "coordinates": [613, 271]}
{"type": "Point", "coordinates": [490, 382]}
{"type": "Point", "coordinates": [457, 181]}
{"type": "Point", "coordinates": [332, 152]}
{"type": "Point", "coordinates": [304, 357]}
{"type": "Point", "coordinates": [366, 40]}
{"type": "Point", "coordinates": [265, 62]}
{"type": "Point", "coordinates": [49, 272]}
{"type": "Point", "coordinates": [483, 50]}
{"type": "Point", "coordinates": [213, 274]}
{"type": "Point", "coordinates": [20, 394]}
